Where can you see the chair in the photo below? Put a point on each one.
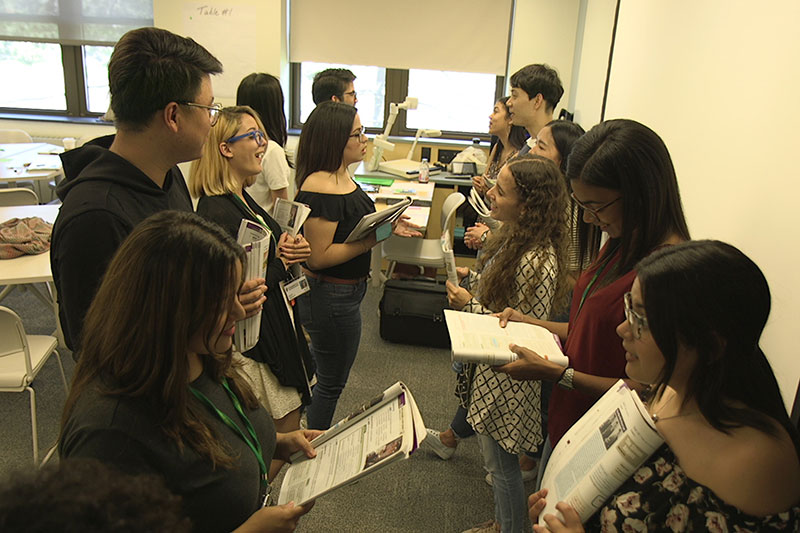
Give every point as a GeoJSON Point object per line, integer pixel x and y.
{"type": "Point", "coordinates": [21, 358]}
{"type": "Point", "coordinates": [421, 252]}
{"type": "Point", "coordinates": [18, 196]}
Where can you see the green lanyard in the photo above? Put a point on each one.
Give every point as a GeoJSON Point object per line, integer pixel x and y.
{"type": "Point", "coordinates": [258, 219]}
{"type": "Point", "coordinates": [597, 273]}
{"type": "Point", "coordinates": [253, 444]}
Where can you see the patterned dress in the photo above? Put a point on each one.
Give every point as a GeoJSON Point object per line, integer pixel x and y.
{"type": "Point", "coordinates": [660, 497]}
{"type": "Point", "coordinates": [507, 410]}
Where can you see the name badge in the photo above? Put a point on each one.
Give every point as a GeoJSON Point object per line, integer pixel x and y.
{"type": "Point", "coordinates": [296, 287]}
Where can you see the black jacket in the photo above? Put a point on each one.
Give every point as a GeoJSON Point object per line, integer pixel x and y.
{"type": "Point", "coordinates": [104, 197]}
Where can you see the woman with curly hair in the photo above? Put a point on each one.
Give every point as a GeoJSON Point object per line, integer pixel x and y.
{"type": "Point", "coordinates": [523, 267]}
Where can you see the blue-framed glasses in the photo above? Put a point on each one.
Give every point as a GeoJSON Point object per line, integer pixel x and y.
{"type": "Point", "coordinates": [257, 135]}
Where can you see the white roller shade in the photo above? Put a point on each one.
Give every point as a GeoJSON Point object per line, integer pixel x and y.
{"type": "Point", "coordinates": [72, 22]}
{"type": "Point", "coordinates": [455, 35]}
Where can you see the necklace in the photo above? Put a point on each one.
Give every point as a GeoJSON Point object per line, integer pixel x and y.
{"type": "Point", "coordinates": [656, 418]}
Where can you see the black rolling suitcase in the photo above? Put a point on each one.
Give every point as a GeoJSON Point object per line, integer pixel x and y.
{"type": "Point", "coordinates": [412, 312]}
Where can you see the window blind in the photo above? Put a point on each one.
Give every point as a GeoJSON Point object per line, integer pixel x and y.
{"type": "Point", "coordinates": [453, 35]}
{"type": "Point", "coordinates": [72, 22]}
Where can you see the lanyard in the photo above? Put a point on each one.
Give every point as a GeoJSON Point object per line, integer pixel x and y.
{"type": "Point", "coordinates": [258, 218]}
{"type": "Point", "coordinates": [597, 273]}
{"type": "Point", "coordinates": [253, 444]}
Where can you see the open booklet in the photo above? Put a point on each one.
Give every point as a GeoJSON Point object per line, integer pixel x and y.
{"type": "Point", "coordinates": [600, 452]}
{"type": "Point", "coordinates": [387, 429]}
{"type": "Point", "coordinates": [478, 338]}
{"type": "Point", "coordinates": [254, 238]}
{"type": "Point", "coordinates": [372, 221]}
{"type": "Point", "coordinates": [290, 215]}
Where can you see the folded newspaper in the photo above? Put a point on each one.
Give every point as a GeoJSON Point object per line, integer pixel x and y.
{"type": "Point", "coordinates": [387, 429]}
{"type": "Point", "coordinates": [478, 338]}
{"type": "Point", "coordinates": [254, 238]}
{"type": "Point", "coordinates": [599, 453]}
{"type": "Point", "coordinates": [290, 215]}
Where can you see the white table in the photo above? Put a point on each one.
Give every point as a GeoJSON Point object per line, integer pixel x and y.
{"type": "Point", "coordinates": [28, 269]}
{"type": "Point", "coordinates": [36, 162]}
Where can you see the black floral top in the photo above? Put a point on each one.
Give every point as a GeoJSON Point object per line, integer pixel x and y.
{"type": "Point", "coordinates": [659, 497]}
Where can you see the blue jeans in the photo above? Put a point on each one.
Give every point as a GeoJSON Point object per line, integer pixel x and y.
{"type": "Point", "coordinates": [460, 426]}
{"type": "Point", "coordinates": [547, 451]}
{"type": "Point", "coordinates": [510, 502]}
{"type": "Point", "coordinates": [331, 314]}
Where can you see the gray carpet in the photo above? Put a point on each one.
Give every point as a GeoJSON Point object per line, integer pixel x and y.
{"type": "Point", "coordinates": [422, 494]}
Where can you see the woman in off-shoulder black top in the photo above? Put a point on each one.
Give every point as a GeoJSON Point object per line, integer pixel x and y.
{"type": "Point", "coordinates": [333, 139]}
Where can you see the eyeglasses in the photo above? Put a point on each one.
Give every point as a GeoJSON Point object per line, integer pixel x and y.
{"type": "Point", "coordinates": [353, 93]}
{"type": "Point", "coordinates": [213, 110]}
{"type": "Point", "coordinates": [594, 211]}
{"type": "Point", "coordinates": [257, 135]}
{"type": "Point", "coordinates": [361, 135]}
{"type": "Point", "coordinates": [637, 322]}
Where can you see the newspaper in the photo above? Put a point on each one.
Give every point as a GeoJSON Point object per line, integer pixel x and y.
{"type": "Point", "coordinates": [449, 257]}
{"type": "Point", "coordinates": [290, 215]}
{"type": "Point", "coordinates": [600, 452]}
{"type": "Point", "coordinates": [254, 238]}
{"type": "Point", "coordinates": [385, 430]}
{"type": "Point", "coordinates": [370, 222]}
{"type": "Point", "coordinates": [478, 338]}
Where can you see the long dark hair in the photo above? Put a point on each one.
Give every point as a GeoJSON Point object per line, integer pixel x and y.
{"type": "Point", "coordinates": [516, 137]}
{"type": "Point", "coordinates": [711, 298]}
{"type": "Point", "coordinates": [541, 230]}
{"type": "Point", "coordinates": [629, 157]}
{"type": "Point", "coordinates": [323, 140]}
{"type": "Point", "coordinates": [263, 93]}
{"type": "Point", "coordinates": [171, 278]}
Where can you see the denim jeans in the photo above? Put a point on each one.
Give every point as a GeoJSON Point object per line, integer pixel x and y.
{"type": "Point", "coordinates": [547, 451]}
{"type": "Point", "coordinates": [510, 502]}
{"type": "Point", "coordinates": [331, 314]}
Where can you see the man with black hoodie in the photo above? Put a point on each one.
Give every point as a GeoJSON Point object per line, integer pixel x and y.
{"type": "Point", "coordinates": [161, 96]}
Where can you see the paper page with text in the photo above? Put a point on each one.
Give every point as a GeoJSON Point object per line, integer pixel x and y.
{"type": "Point", "coordinates": [290, 215]}
{"type": "Point", "coordinates": [385, 430]}
{"type": "Point", "coordinates": [600, 452]}
{"type": "Point", "coordinates": [478, 338]}
{"type": "Point", "coordinates": [254, 238]}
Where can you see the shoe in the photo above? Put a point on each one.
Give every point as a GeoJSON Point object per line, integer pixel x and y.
{"type": "Point", "coordinates": [527, 475]}
{"type": "Point", "coordinates": [435, 444]}
{"type": "Point", "coordinates": [487, 527]}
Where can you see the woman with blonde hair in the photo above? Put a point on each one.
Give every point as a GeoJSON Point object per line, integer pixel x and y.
{"type": "Point", "coordinates": [279, 365]}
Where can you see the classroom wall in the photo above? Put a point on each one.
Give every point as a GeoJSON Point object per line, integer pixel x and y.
{"type": "Point", "coordinates": [245, 35]}
{"type": "Point", "coordinates": [591, 60]}
{"type": "Point", "coordinates": [718, 81]}
{"type": "Point", "coordinates": [544, 32]}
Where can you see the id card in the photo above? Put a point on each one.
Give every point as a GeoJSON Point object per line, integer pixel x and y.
{"type": "Point", "coordinates": [296, 287]}
{"type": "Point", "coordinates": [383, 232]}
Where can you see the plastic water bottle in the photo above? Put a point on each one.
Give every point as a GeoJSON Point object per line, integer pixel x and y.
{"type": "Point", "coordinates": [424, 171]}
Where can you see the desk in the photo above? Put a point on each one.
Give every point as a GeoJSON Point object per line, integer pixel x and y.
{"type": "Point", "coordinates": [28, 269]}
{"type": "Point", "coordinates": [440, 178]}
{"type": "Point", "coordinates": [36, 162]}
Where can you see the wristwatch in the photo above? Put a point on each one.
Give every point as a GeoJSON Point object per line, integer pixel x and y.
{"type": "Point", "coordinates": [566, 379]}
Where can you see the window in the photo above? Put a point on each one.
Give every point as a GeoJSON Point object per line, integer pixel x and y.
{"type": "Point", "coordinates": [458, 103]}
{"type": "Point", "coordinates": [60, 50]}
{"type": "Point", "coordinates": [33, 74]}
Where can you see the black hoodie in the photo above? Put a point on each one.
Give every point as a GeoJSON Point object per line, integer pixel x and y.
{"type": "Point", "coordinates": [104, 197]}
